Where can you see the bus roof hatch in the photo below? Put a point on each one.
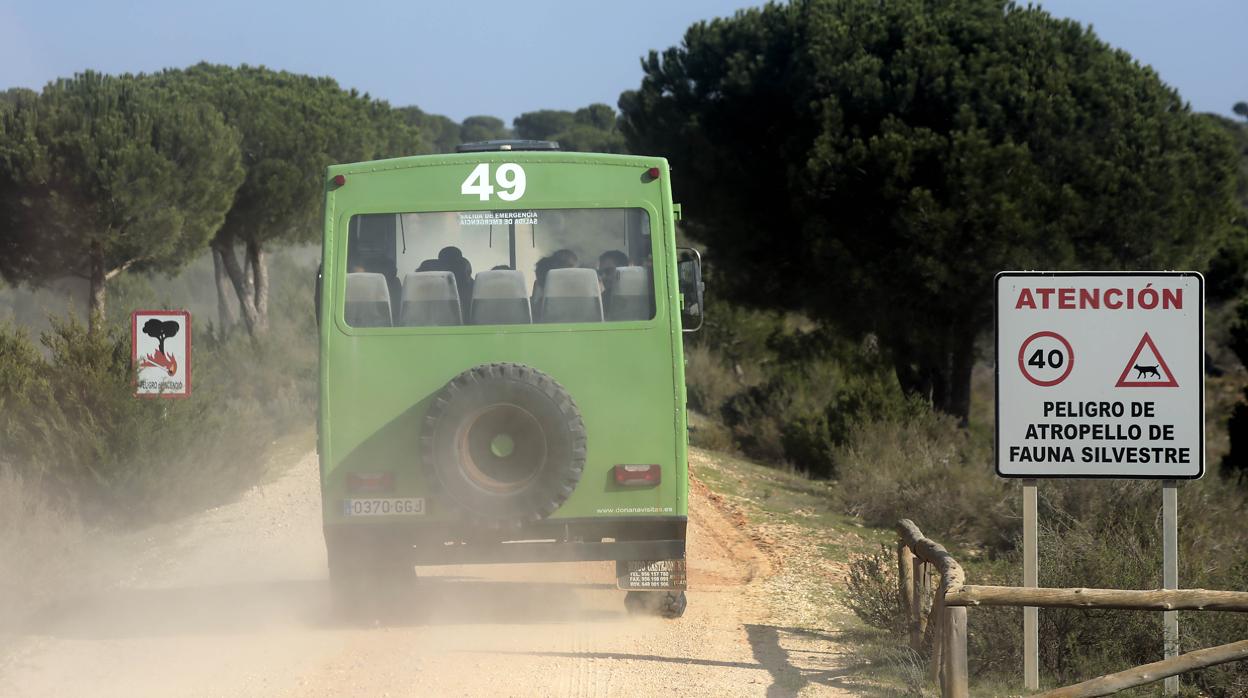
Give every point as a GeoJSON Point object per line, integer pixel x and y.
{"type": "Point", "coordinates": [513, 144]}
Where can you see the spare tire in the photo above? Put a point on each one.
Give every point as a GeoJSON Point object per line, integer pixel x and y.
{"type": "Point", "coordinates": [506, 441]}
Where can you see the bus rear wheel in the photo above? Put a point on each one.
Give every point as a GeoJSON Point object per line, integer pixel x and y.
{"type": "Point", "coordinates": [669, 604]}
{"type": "Point", "coordinates": [369, 582]}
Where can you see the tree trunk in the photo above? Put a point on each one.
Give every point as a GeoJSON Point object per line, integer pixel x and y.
{"type": "Point", "coordinates": [226, 312]}
{"type": "Point", "coordinates": [260, 284]}
{"type": "Point", "coordinates": [95, 310]}
{"type": "Point", "coordinates": [940, 385]}
{"type": "Point", "coordinates": [960, 378]}
{"type": "Point", "coordinates": [911, 373]}
{"type": "Point", "coordinates": [224, 244]}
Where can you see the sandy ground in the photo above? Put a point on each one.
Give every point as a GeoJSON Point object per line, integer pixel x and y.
{"type": "Point", "coordinates": [234, 602]}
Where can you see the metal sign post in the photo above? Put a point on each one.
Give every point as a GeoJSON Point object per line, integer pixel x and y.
{"type": "Point", "coordinates": [1170, 565]}
{"type": "Point", "coordinates": [1031, 578]}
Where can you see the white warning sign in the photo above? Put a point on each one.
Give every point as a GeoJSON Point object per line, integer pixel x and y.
{"type": "Point", "coordinates": [160, 344]}
{"type": "Point", "coordinates": [1100, 374]}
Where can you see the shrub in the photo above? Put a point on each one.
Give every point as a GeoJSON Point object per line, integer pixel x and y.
{"type": "Point", "coordinates": [1108, 534]}
{"type": "Point", "coordinates": [923, 467]}
{"type": "Point", "coordinates": [709, 380]}
{"type": "Point", "coordinates": [71, 427]}
{"type": "Point", "coordinates": [872, 592]}
{"type": "Point", "coordinates": [709, 434]}
{"type": "Point", "coordinates": [803, 405]}
{"type": "Point", "coordinates": [789, 391]}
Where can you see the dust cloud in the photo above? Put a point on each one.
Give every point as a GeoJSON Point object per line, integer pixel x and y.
{"type": "Point", "coordinates": [235, 601]}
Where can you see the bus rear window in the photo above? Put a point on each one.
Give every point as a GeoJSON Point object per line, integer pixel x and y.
{"type": "Point", "coordinates": [428, 269]}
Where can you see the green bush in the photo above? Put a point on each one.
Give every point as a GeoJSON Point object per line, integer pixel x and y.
{"type": "Point", "coordinates": [923, 467]}
{"type": "Point", "coordinates": [71, 426]}
{"type": "Point", "coordinates": [872, 591]}
{"type": "Point", "coordinates": [788, 392]}
{"type": "Point", "coordinates": [709, 434]}
{"type": "Point", "coordinates": [1107, 534]}
{"type": "Point", "coordinates": [709, 380]}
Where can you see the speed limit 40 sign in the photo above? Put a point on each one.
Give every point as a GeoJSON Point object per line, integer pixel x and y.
{"type": "Point", "coordinates": [1045, 358]}
{"type": "Point", "coordinates": [1100, 374]}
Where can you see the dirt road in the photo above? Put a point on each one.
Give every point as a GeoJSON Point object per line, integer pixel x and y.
{"type": "Point", "coordinates": [234, 602]}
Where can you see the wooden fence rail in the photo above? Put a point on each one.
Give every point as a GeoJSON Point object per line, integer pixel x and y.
{"type": "Point", "coordinates": [1131, 600]}
{"type": "Point", "coordinates": [942, 616]}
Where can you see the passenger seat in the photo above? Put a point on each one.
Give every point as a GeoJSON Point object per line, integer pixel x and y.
{"type": "Point", "coordinates": [368, 300]}
{"type": "Point", "coordinates": [633, 296]}
{"type": "Point", "coordinates": [571, 295]}
{"type": "Point", "coordinates": [430, 299]}
{"type": "Point", "coordinates": [499, 298]}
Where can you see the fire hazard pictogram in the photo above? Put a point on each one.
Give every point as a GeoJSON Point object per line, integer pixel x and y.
{"type": "Point", "coordinates": [1146, 369]}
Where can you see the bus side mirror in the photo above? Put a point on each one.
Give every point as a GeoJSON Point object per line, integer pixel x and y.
{"type": "Point", "coordinates": [689, 270]}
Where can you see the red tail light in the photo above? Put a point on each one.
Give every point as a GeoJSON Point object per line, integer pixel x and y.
{"type": "Point", "coordinates": [633, 475]}
{"type": "Point", "coordinates": [370, 482]}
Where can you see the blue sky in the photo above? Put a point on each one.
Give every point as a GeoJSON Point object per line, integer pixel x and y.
{"type": "Point", "coordinates": [506, 58]}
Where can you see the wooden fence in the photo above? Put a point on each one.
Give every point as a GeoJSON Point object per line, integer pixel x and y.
{"type": "Point", "coordinates": [941, 613]}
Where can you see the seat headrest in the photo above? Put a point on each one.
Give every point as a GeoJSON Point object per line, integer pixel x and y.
{"type": "Point", "coordinates": [430, 286]}
{"type": "Point", "coordinates": [632, 281]}
{"type": "Point", "coordinates": [571, 283]}
{"type": "Point", "coordinates": [367, 287]}
{"type": "Point", "coordinates": [499, 284]}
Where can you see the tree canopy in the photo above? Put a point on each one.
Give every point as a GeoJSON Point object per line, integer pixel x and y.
{"type": "Point", "coordinates": [291, 127]}
{"type": "Point", "coordinates": [482, 128]}
{"type": "Point", "coordinates": [542, 124]}
{"type": "Point", "coordinates": [100, 174]}
{"type": "Point", "coordinates": [588, 129]}
{"type": "Point", "coordinates": [875, 164]}
{"type": "Point", "coordinates": [439, 132]}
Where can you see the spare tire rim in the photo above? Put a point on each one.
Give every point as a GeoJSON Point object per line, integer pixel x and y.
{"type": "Point", "coordinates": [501, 447]}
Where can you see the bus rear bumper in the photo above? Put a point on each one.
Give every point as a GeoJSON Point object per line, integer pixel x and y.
{"type": "Point", "coordinates": [553, 540]}
{"type": "Point", "coordinates": [548, 551]}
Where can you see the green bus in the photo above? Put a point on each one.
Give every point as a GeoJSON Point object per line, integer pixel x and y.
{"type": "Point", "coordinates": [501, 367]}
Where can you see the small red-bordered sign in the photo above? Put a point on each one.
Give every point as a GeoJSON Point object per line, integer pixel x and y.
{"type": "Point", "coordinates": [1146, 367]}
{"type": "Point", "coordinates": [1046, 358]}
{"type": "Point", "coordinates": [160, 346]}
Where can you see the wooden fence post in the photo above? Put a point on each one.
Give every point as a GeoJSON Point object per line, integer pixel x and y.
{"type": "Point", "coordinates": [919, 621]}
{"type": "Point", "coordinates": [905, 586]}
{"type": "Point", "coordinates": [936, 623]}
{"type": "Point", "coordinates": [957, 681]}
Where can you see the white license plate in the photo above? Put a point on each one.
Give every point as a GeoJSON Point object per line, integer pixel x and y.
{"type": "Point", "coordinates": [376, 506]}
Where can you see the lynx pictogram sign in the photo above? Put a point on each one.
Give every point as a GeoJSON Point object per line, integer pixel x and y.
{"type": "Point", "coordinates": [1144, 365]}
{"type": "Point", "coordinates": [1100, 374]}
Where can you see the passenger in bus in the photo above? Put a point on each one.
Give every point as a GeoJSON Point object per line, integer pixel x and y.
{"type": "Point", "coordinates": [608, 262]}
{"type": "Point", "coordinates": [647, 262]}
{"type": "Point", "coordinates": [451, 259]}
